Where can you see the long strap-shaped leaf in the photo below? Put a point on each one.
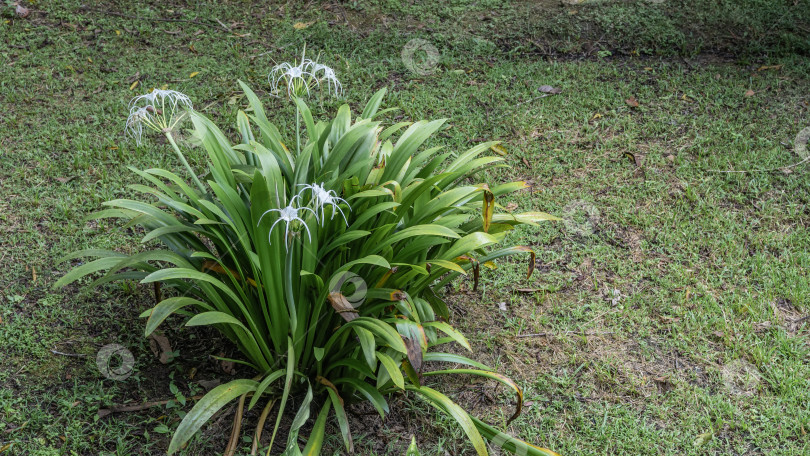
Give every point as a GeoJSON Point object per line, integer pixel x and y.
{"type": "Point", "coordinates": [509, 443]}
{"type": "Point", "coordinates": [287, 388]}
{"type": "Point", "coordinates": [444, 404]}
{"type": "Point", "coordinates": [205, 409]}
{"type": "Point", "coordinates": [494, 376]}
{"type": "Point", "coordinates": [315, 441]}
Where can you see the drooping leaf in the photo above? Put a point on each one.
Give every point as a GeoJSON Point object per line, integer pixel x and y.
{"type": "Point", "coordinates": [205, 409]}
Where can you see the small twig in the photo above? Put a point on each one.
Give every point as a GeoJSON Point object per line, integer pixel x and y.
{"type": "Point", "coordinates": [576, 333]}
{"type": "Point", "coordinates": [223, 25]}
{"type": "Point", "coordinates": [72, 355]}
{"type": "Point", "coordinates": [137, 407]}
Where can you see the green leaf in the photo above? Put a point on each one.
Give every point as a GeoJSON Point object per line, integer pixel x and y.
{"type": "Point", "coordinates": [393, 370]}
{"type": "Point", "coordinates": [205, 409]}
{"type": "Point", "coordinates": [343, 421]}
{"type": "Point", "coordinates": [213, 318]}
{"type": "Point", "coordinates": [315, 441]}
{"type": "Point", "coordinates": [450, 331]}
{"type": "Point", "coordinates": [373, 104]}
{"type": "Point", "coordinates": [453, 358]}
{"type": "Point", "coordinates": [412, 449]}
{"type": "Point", "coordinates": [167, 307]}
{"type": "Point", "coordinates": [444, 404]}
{"type": "Point", "coordinates": [371, 393]}
{"type": "Point", "coordinates": [494, 376]}
{"type": "Point", "coordinates": [262, 387]}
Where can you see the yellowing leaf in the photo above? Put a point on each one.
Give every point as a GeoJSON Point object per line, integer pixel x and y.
{"type": "Point", "coordinates": [90, 60]}
{"type": "Point", "coordinates": [195, 73]}
{"type": "Point", "coordinates": [301, 25]}
{"type": "Point", "coordinates": [498, 149]}
{"type": "Point", "coordinates": [596, 116]}
{"type": "Point", "coordinates": [118, 32]}
{"type": "Point", "coordinates": [134, 84]}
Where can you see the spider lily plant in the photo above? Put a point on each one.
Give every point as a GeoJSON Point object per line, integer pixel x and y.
{"type": "Point", "coordinates": [263, 255]}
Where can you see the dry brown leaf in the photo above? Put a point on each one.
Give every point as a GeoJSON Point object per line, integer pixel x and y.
{"type": "Point", "coordinates": [549, 89]}
{"type": "Point", "coordinates": [632, 102]}
{"type": "Point", "coordinates": [749, 93]}
{"type": "Point", "coordinates": [209, 384]}
{"type": "Point", "coordinates": [22, 11]}
{"type": "Point", "coordinates": [160, 347]}
{"type": "Point", "coordinates": [769, 67]}
{"type": "Point", "coordinates": [342, 306]}
{"type": "Point", "coordinates": [229, 367]}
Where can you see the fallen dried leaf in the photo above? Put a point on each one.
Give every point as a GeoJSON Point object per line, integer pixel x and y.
{"type": "Point", "coordinates": [229, 367]}
{"type": "Point", "coordinates": [160, 347]}
{"type": "Point", "coordinates": [749, 93]}
{"type": "Point", "coordinates": [549, 89]}
{"type": "Point", "coordinates": [195, 73]}
{"type": "Point", "coordinates": [22, 11]}
{"type": "Point", "coordinates": [769, 67]}
{"type": "Point", "coordinates": [209, 384]}
{"type": "Point", "coordinates": [526, 162]}
{"type": "Point", "coordinates": [632, 102]}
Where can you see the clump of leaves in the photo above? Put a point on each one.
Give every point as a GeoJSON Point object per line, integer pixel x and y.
{"type": "Point", "coordinates": [320, 264]}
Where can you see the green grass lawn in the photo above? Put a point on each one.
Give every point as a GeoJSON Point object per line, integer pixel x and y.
{"type": "Point", "coordinates": [666, 315]}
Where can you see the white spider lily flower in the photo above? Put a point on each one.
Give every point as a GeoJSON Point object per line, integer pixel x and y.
{"type": "Point", "coordinates": [157, 110]}
{"type": "Point", "coordinates": [329, 76]}
{"type": "Point", "coordinates": [288, 215]}
{"type": "Point", "coordinates": [298, 79]}
{"type": "Point", "coordinates": [323, 197]}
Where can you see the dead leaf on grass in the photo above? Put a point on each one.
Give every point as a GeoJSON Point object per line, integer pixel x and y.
{"type": "Point", "coordinates": [749, 93]}
{"type": "Point", "coordinates": [160, 347]}
{"type": "Point", "coordinates": [209, 384]}
{"type": "Point", "coordinates": [549, 89]}
{"type": "Point", "coordinates": [22, 11]}
{"type": "Point", "coordinates": [632, 102]}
